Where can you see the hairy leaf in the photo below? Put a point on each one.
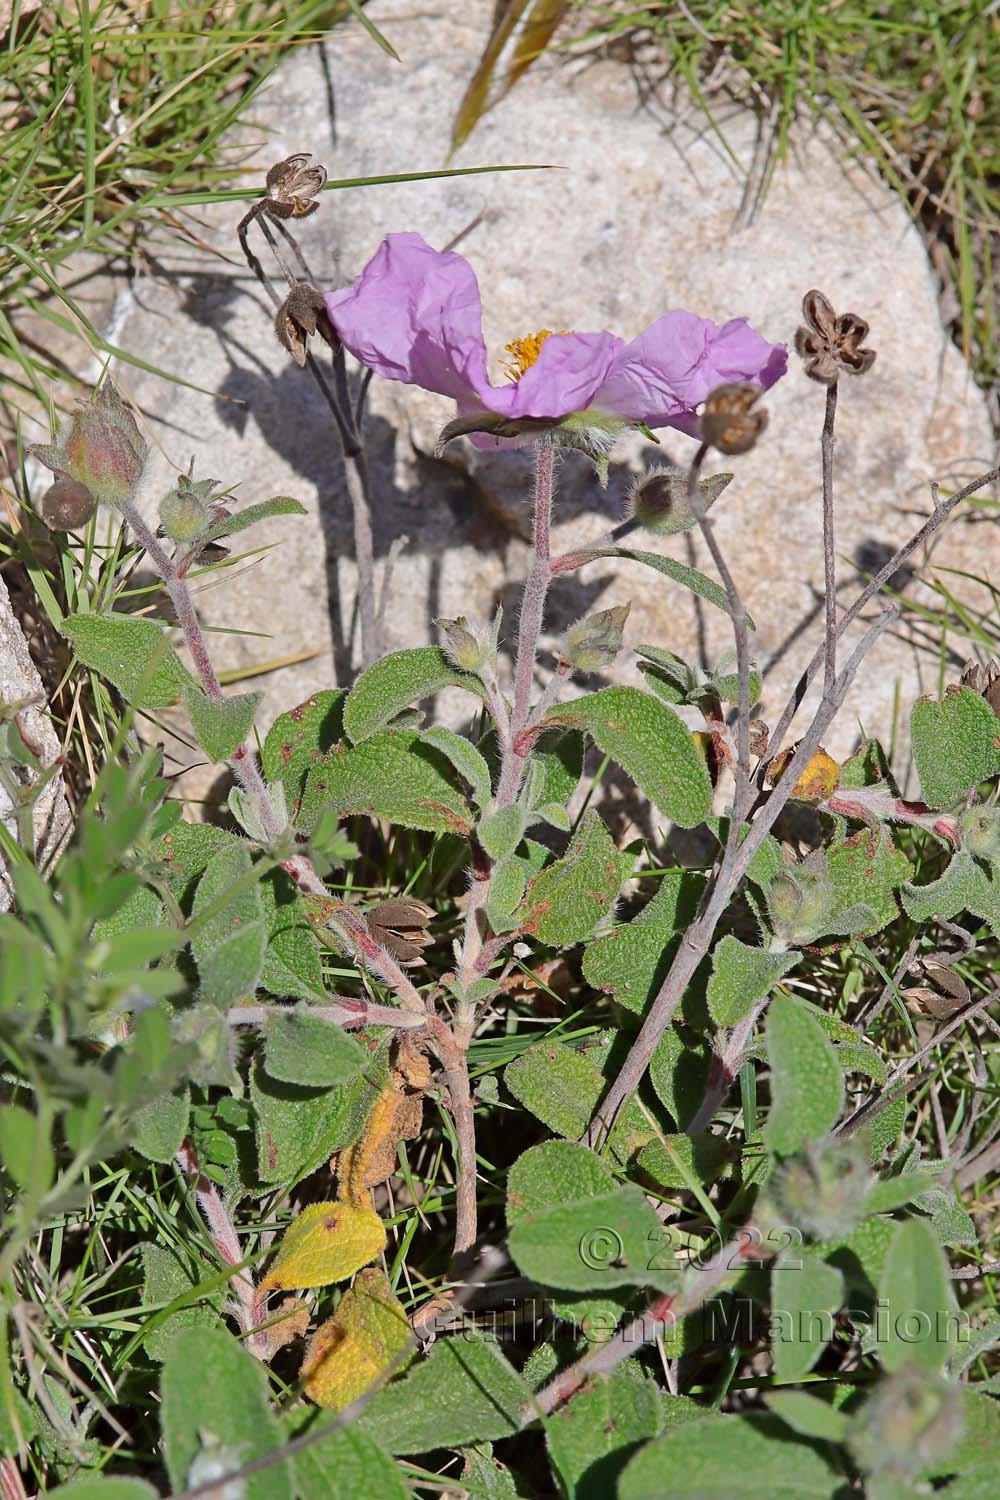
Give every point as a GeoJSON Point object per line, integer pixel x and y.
{"type": "Point", "coordinates": [567, 899]}
{"type": "Point", "coordinates": [211, 1386]}
{"type": "Point", "coordinates": [134, 655]}
{"type": "Point", "coordinates": [915, 1291]}
{"type": "Point", "coordinates": [392, 684]}
{"type": "Point", "coordinates": [327, 1242]}
{"type": "Point", "coordinates": [391, 775]}
{"type": "Point", "coordinates": [650, 743]}
{"type": "Point", "coordinates": [805, 1294]}
{"type": "Point", "coordinates": [807, 1087]}
{"type": "Point", "coordinates": [229, 947]}
{"type": "Point", "coordinates": [463, 1392]}
{"type": "Point", "coordinates": [956, 745]}
{"type": "Point", "coordinates": [221, 725]}
{"type": "Point", "coordinates": [309, 1050]}
{"type": "Point", "coordinates": [741, 976]}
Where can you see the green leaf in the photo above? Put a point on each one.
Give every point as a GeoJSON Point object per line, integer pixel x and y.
{"type": "Point", "coordinates": [678, 1071]}
{"type": "Point", "coordinates": [501, 831]}
{"type": "Point", "coordinates": [26, 1149]}
{"type": "Point", "coordinates": [810, 1416]}
{"type": "Point", "coordinates": [292, 964]}
{"type": "Point", "coordinates": [134, 655]}
{"type": "Point", "coordinates": [308, 1050]}
{"type": "Point", "coordinates": [951, 1223]}
{"type": "Point", "coordinates": [967, 885]}
{"type": "Point", "coordinates": [687, 577]}
{"type": "Point", "coordinates": [805, 1294]}
{"type": "Point", "coordinates": [956, 745]}
{"type": "Point", "coordinates": [632, 961]}
{"type": "Point", "coordinates": [463, 1392]}
{"type": "Point", "coordinates": [741, 976]}
{"type": "Point", "coordinates": [344, 1465]}
{"type": "Point", "coordinates": [157, 1129]}
{"type": "Point", "coordinates": [593, 1436]}
{"type": "Point", "coordinates": [865, 870]}
{"type": "Point", "coordinates": [221, 724]}
{"type": "Point", "coordinates": [651, 744]}
{"type": "Point", "coordinates": [211, 1385]}
{"type": "Point", "coordinates": [392, 684]}
{"type": "Point", "coordinates": [717, 1459]}
{"type": "Point", "coordinates": [573, 1227]}
{"type": "Point", "coordinates": [566, 900]}
{"type": "Point", "coordinates": [297, 740]}
{"type": "Point", "coordinates": [165, 1278]}
{"type": "Point", "coordinates": [561, 1087]}
{"type": "Point", "coordinates": [466, 759]}
{"type": "Point", "coordinates": [677, 1161]}
{"type": "Point", "coordinates": [554, 769]}
{"type": "Point", "coordinates": [297, 1127]}
{"type": "Point", "coordinates": [229, 947]}
{"type": "Point", "coordinates": [807, 1087]}
{"type": "Point", "coordinates": [391, 775]}
{"type": "Point", "coordinates": [280, 505]}
{"type": "Point", "coordinates": [485, 1477]}
{"type": "Point", "coordinates": [105, 1487]}
{"type": "Point", "coordinates": [916, 1301]}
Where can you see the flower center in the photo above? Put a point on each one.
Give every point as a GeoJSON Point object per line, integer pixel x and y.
{"type": "Point", "coordinates": [525, 351]}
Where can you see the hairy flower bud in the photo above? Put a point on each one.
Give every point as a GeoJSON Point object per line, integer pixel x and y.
{"type": "Point", "coordinates": [822, 1190]}
{"type": "Point", "coordinates": [979, 832]}
{"type": "Point", "coordinates": [66, 505]}
{"type": "Point", "coordinates": [729, 421]}
{"type": "Point", "coordinates": [659, 499]}
{"type": "Point", "coordinates": [912, 1419]}
{"type": "Point", "coordinates": [471, 648]}
{"type": "Point", "coordinates": [103, 449]}
{"type": "Point", "coordinates": [183, 511]}
{"type": "Point", "coordinates": [593, 643]}
{"type": "Point", "coordinates": [799, 900]}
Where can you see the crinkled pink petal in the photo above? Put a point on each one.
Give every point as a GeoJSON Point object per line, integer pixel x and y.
{"type": "Point", "coordinates": [569, 371]}
{"type": "Point", "coordinates": [664, 374]}
{"type": "Point", "coordinates": [414, 314]}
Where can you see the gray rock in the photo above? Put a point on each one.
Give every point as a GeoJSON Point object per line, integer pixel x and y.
{"type": "Point", "coordinates": [643, 211]}
{"type": "Point", "coordinates": [19, 680]}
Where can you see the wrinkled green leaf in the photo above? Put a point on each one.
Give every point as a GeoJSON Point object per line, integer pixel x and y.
{"type": "Point", "coordinates": [221, 725]}
{"type": "Point", "coordinates": [463, 1392]}
{"type": "Point", "coordinates": [501, 831]}
{"type": "Point", "coordinates": [211, 1385]}
{"type": "Point", "coordinates": [229, 947]}
{"type": "Point", "coordinates": [304, 1049]}
{"type": "Point", "coordinates": [967, 885]}
{"type": "Point", "coordinates": [807, 1087]}
{"type": "Point", "coordinates": [157, 1129]}
{"type": "Point", "coordinates": [392, 684]}
{"type": "Point", "coordinates": [650, 743]}
{"type": "Point", "coordinates": [134, 655]}
{"type": "Point", "coordinates": [741, 976]}
{"type": "Point", "coordinates": [593, 1436]}
{"type": "Point", "coordinates": [391, 775]}
{"type": "Point", "coordinates": [297, 740]}
{"type": "Point", "coordinates": [956, 745]}
{"type": "Point", "coordinates": [718, 1458]}
{"type": "Point", "coordinates": [632, 961]}
{"type": "Point", "coordinates": [567, 899]}
{"type": "Point", "coordinates": [573, 1227]}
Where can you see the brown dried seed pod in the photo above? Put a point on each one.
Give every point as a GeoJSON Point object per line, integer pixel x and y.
{"type": "Point", "coordinates": [400, 924]}
{"type": "Point", "coordinates": [292, 187]}
{"type": "Point", "coordinates": [66, 505]}
{"type": "Point", "coordinates": [302, 314]}
{"type": "Point", "coordinates": [729, 421]}
{"type": "Point", "coordinates": [829, 345]}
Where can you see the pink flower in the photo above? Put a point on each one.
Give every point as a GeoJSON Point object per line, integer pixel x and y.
{"type": "Point", "coordinates": [415, 315]}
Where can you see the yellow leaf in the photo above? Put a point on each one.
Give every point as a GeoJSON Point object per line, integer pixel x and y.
{"type": "Point", "coordinates": [395, 1116]}
{"type": "Point", "coordinates": [352, 1349]}
{"type": "Point", "coordinates": [327, 1242]}
{"type": "Point", "coordinates": [818, 781]}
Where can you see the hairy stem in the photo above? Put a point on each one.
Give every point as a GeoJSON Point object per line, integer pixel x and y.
{"type": "Point", "coordinates": [940, 512]}
{"type": "Point", "coordinates": [665, 1311]}
{"type": "Point", "coordinates": [697, 940]}
{"type": "Point", "coordinates": [829, 559]}
{"type": "Point", "coordinates": [226, 1242]}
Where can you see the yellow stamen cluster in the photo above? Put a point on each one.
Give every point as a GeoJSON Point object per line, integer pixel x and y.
{"type": "Point", "coordinates": [525, 351]}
